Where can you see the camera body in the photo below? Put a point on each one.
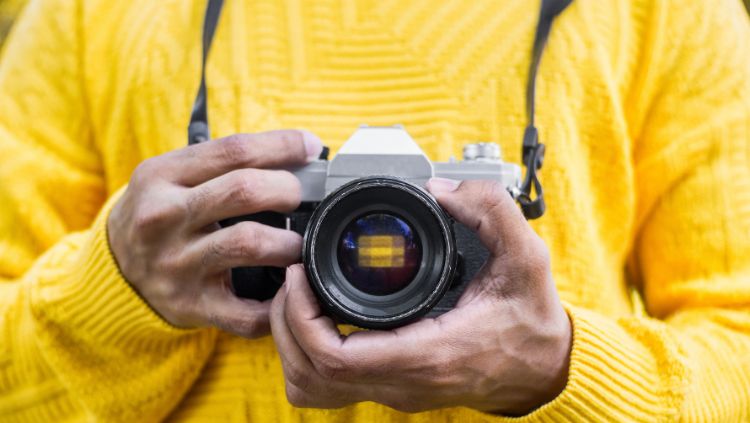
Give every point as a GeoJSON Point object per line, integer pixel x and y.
{"type": "Point", "coordinates": [379, 251]}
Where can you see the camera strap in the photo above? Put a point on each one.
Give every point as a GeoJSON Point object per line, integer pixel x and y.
{"type": "Point", "coordinates": [532, 152]}
{"type": "Point", "coordinates": [198, 129]}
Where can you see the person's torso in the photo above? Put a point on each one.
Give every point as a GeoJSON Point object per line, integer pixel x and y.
{"type": "Point", "coordinates": [451, 72]}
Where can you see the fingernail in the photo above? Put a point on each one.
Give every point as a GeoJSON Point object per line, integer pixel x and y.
{"type": "Point", "coordinates": [313, 145]}
{"type": "Point", "coordinates": [442, 185]}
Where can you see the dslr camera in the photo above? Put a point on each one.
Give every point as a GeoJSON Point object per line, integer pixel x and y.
{"type": "Point", "coordinates": [379, 251]}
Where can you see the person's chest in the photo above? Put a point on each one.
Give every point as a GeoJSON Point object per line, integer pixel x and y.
{"type": "Point", "coordinates": [451, 72]}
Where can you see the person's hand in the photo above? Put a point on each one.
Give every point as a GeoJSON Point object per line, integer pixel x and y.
{"type": "Point", "coordinates": [166, 240]}
{"type": "Point", "coordinates": [504, 348]}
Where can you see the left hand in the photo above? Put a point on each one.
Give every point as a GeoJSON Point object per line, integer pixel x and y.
{"type": "Point", "coordinates": [504, 348]}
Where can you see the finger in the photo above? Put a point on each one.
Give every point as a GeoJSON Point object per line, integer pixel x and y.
{"type": "Point", "coordinates": [246, 244]}
{"type": "Point", "coordinates": [242, 192]}
{"type": "Point", "coordinates": [315, 333]}
{"type": "Point", "coordinates": [308, 324]}
{"type": "Point", "coordinates": [304, 387]}
{"type": "Point", "coordinates": [485, 207]}
{"type": "Point", "coordinates": [520, 265]}
{"type": "Point", "coordinates": [399, 368]}
{"type": "Point", "coordinates": [373, 355]}
{"type": "Point", "coordinates": [282, 149]}
{"type": "Point", "coordinates": [224, 310]}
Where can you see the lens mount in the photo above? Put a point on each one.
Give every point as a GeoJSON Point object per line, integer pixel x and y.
{"type": "Point", "coordinates": [404, 202]}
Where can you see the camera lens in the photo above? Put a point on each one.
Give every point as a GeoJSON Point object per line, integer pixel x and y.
{"type": "Point", "coordinates": [379, 253]}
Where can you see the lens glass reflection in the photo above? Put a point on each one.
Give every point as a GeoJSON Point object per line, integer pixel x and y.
{"type": "Point", "coordinates": [379, 253]}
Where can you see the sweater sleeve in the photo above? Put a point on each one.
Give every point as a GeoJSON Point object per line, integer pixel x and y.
{"type": "Point", "coordinates": [76, 342]}
{"type": "Point", "coordinates": [689, 358]}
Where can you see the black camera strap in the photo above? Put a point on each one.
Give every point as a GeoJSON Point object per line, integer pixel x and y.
{"type": "Point", "coordinates": [532, 152]}
{"type": "Point", "coordinates": [198, 129]}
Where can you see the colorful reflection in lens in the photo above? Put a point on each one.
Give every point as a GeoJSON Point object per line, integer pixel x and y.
{"type": "Point", "coordinates": [379, 253]}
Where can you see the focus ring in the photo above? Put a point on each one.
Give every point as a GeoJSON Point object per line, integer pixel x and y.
{"type": "Point", "coordinates": [386, 195]}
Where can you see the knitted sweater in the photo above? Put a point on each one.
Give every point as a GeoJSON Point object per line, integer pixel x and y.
{"type": "Point", "coordinates": [644, 106]}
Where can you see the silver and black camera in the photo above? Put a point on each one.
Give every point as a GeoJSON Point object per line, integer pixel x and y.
{"type": "Point", "coordinates": [378, 249]}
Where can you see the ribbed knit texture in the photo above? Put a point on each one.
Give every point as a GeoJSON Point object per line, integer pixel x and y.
{"type": "Point", "coordinates": [644, 106]}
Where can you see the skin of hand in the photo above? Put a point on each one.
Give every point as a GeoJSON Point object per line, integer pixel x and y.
{"type": "Point", "coordinates": [168, 245]}
{"type": "Point", "coordinates": [505, 347]}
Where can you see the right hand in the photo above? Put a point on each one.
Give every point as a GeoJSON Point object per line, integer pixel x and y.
{"type": "Point", "coordinates": [165, 237]}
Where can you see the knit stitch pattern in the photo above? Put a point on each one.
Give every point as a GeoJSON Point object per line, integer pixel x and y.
{"type": "Point", "coordinates": [644, 106]}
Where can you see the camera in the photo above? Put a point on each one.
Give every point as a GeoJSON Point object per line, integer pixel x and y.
{"type": "Point", "coordinates": [378, 249]}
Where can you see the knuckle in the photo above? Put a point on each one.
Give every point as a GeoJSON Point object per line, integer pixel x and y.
{"type": "Point", "coordinates": [164, 289]}
{"type": "Point", "coordinates": [249, 241]}
{"type": "Point", "coordinates": [145, 171]}
{"type": "Point", "coordinates": [491, 194]}
{"type": "Point", "coordinates": [297, 376]}
{"type": "Point", "coordinates": [487, 198]}
{"type": "Point", "coordinates": [487, 221]}
{"type": "Point", "coordinates": [244, 188]}
{"type": "Point", "coordinates": [149, 217]}
{"type": "Point", "coordinates": [174, 262]}
{"type": "Point", "coordinates": [331, 366]}
{"type": "Point", "coordinates": [537, 258]}
{"type": "Point", "coordinates": [266, 189]}
{"type": "Point", "coordinates": [196, 200]}
{"type": "Point", "coordinates": [297, 397]}
{"type": "Point", "coordinates": [212, 253]}
{"type": "Point", "coordinates": [235, 149]}
{"type": "Point", "coordinates": [528, 265]}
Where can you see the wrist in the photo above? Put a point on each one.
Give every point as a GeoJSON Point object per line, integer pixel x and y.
{"type": "Point", "coordinates": [552, 362]}
{"type": "Point", "coordinates": [537, 370]}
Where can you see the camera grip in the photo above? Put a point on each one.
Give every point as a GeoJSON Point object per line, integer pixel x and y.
{"type": "Point", "coordinates": [472, 256]}
{"type": "Point", "coordinates": [260, 282]}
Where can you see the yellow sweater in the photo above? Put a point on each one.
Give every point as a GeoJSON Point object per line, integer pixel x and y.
{"type": "Point", "coordinates": [644, 106]}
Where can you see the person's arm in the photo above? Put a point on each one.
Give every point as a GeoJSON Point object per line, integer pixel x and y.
{"type": "Point", "coordinates": [689, 360]}
{"type": "Point", "coordinates": [689, 113]}
{"type": "Point", "coordinates": [76, 341]}
{"type": "Point", "coordinates": [90, 327]}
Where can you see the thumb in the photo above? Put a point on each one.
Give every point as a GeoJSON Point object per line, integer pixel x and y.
{"type": "Point", "coordinates": [485, 207]}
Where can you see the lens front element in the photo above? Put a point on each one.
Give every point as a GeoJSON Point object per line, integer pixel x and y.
{"type": "Point", "coordinates": [379, 253]}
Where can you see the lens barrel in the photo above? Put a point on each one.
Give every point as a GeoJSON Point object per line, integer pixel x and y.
{"type": "Point", "coordinates": [379, 252]}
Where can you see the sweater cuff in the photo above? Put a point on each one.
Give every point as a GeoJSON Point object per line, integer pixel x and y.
{"type": "Point", "coordinates": [612, 377]}
{"type": "Point", "coordinates": [95, 299]}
